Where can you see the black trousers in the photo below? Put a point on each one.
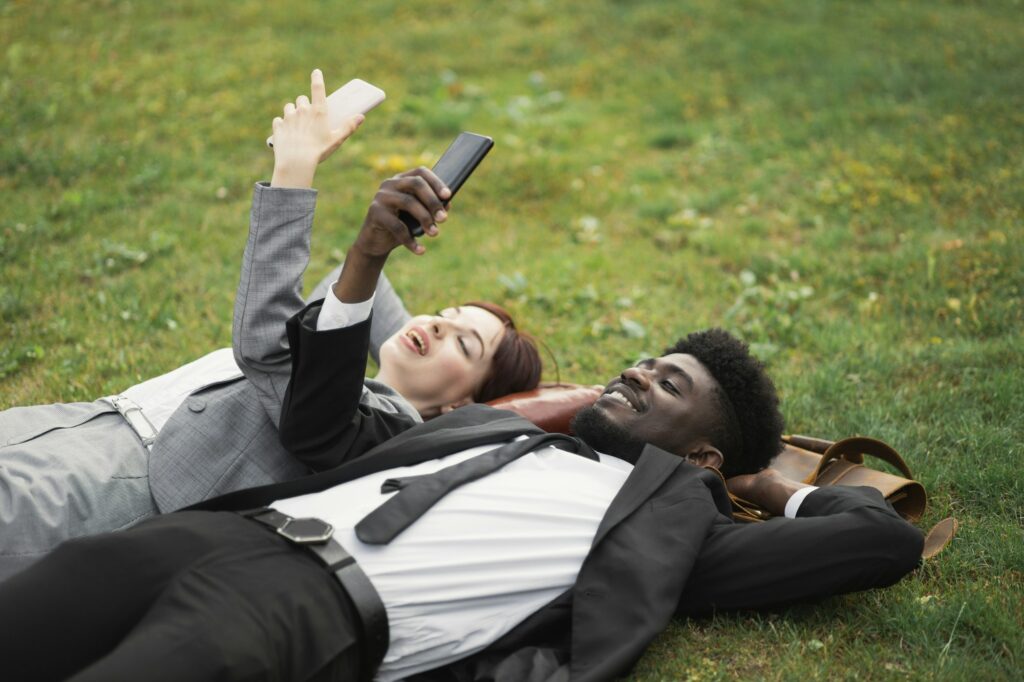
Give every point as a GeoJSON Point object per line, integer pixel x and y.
{"type": "Point", "coordinates": [185, 596]}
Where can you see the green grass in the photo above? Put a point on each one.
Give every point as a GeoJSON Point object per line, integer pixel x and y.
{"type": "Point", "coordinates": [840, 183]}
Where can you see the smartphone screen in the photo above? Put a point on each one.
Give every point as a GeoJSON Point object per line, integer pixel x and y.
{"type": "Point", "coordinates": [454, 168]}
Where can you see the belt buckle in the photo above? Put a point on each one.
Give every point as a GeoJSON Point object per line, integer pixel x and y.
{"type": "Point", "coordinates": [136, 419]}
{"type": "Point", "coordinates": [306, 531]}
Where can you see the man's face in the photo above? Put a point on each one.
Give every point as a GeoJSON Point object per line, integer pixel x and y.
{"type": "Point", "coordinates": [666, 401]}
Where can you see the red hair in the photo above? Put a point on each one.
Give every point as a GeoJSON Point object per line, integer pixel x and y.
{"type": "Point", "coordinates": [516, 364]}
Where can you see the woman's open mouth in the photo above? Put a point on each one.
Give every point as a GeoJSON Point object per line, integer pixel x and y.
{"type": "Point", "coordinates": [416, 340]}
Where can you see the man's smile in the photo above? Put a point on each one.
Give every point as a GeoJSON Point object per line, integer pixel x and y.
{"type": "Point", "coordinates": [625, 395]}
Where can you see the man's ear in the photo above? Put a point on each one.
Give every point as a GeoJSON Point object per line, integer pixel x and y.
{"type": "Point", "coordinates": [445, 409]}
{"type": "Point", "coordinates": [706, 455]}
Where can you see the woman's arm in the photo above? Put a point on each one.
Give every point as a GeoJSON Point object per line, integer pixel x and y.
{"type": "Point", "coordinates": [277, 252]}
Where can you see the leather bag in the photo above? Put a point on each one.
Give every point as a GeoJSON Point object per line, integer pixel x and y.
{"type": "Point", "coordinates": [820, 462]}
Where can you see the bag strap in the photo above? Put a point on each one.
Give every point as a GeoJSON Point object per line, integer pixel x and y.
{"type": "Point", "coordinates": [853, 449]}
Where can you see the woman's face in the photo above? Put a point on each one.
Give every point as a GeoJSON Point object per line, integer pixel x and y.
{"type": "Point", "coordinates": [438, 361]}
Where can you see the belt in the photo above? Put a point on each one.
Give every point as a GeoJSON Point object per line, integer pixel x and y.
{"type": "Point", "coordinates": [136, 419]}
{"type": "Point", "coordinates": [315, 535]}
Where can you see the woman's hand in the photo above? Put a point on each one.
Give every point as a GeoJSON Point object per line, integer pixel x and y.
{"type": "Point", "coordinates": [303, 138]}
{"type": "Point", "coordinates": [419, 193]}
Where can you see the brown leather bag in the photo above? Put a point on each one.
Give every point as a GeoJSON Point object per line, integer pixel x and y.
{"type": "Point", "coordinates": [819, 462]}
{"type": "Point", "coordinates": [814, 461]}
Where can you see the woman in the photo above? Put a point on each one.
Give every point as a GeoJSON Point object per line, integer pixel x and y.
{"type": "Point", "coordinates": [205, 429]}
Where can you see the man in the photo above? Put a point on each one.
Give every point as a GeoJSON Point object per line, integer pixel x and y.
{"type": "Point", "coordinates": [559, 564]}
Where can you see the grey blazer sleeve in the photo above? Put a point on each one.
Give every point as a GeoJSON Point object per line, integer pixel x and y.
{"type": "Point", "coordinates": [270, 288]}
{"type": "Point", "coordinates": [389, 313]}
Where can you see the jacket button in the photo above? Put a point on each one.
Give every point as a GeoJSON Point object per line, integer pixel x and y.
{"type": "Point", "coordinates": [196, 405]}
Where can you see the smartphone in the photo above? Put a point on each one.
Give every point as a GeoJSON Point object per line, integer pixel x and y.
{"type": "Point", "coordinates": [454, 168]}
{"type": "Point", "coordinates": [355, 97]}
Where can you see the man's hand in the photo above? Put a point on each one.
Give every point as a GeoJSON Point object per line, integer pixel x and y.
{"type": "Point", "coordinates": [303, 138]}
{"type": "Point", "coordinates": [767, 488]}
{"type": "Point", "coordinates": [419, 193]}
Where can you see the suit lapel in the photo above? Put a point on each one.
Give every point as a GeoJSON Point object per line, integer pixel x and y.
{"type": "Point", "coordinates": [652, 468]}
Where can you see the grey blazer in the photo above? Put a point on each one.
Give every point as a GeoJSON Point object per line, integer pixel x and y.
{"type": "Point", "coordinates": [70, 470]}
{"type": "Point", "coordinates": [224, 436]}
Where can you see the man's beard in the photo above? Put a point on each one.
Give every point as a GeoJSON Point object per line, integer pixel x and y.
{"type": "Point", "coordinates": [605, 436]}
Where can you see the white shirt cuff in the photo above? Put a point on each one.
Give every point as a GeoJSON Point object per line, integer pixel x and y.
{"type": "Point", "coordinates": [334, 314]}
{"type": "Point", "coordinates": [796, 499]}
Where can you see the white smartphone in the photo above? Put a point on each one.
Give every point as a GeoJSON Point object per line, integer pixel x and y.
{"type": "Point", "coordinates": [355, 97]}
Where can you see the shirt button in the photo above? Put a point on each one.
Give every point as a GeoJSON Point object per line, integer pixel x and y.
{"type": "Point", "coordinates": [196, 405]}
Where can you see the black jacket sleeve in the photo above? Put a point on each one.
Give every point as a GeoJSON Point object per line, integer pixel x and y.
{"type": "Point", "coordinates": [844, 539]}
{"type": "Point", "coordinates": [323, 420]}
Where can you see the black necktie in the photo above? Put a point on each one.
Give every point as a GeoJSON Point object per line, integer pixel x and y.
{"type": "Point", "coordinates": [417, 494]}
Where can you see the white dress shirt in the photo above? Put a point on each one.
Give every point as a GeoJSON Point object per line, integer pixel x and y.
{"type": "Point", "coordinates": [482, 559]}
{"type": "Point", "coordinates": [160, 396]}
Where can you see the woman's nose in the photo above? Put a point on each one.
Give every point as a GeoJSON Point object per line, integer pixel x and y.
{"type": "Point", "coordinates": [439, 327]}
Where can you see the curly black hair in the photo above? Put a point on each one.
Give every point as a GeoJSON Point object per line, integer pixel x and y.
{"type": "Point", "coordinates": [749, 426]}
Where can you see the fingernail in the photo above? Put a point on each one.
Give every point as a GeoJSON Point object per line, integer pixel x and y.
{"type": "Point", "coordinates": [441, 216]}
{"type": "Point", "coordinates": [445, 193]}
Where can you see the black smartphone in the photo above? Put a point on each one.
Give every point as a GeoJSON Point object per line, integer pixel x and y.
{"type": "Point", "coordinates": [454, 168]}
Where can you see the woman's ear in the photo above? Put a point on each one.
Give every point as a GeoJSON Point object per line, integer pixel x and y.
{"type": "Point", "coordinates": [445, 409]}
{"type": "Point", "coordinates": [706, 455]}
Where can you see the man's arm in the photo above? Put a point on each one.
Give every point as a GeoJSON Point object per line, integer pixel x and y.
{"type": "Point", "coordinates": [844, 539]}
{"type": "Point", "coordinates": [328, 417]}
{"type": "Point", "coordinates": [389, 313]}
{"type": "Point", "coordinates": [277, 252]}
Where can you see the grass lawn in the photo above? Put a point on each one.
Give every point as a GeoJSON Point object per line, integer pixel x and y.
{"type": "Point", "coordinates": [840, 183]}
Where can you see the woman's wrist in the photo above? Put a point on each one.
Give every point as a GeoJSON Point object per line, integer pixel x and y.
{"type": "Point", "coordinates": [293, 175]}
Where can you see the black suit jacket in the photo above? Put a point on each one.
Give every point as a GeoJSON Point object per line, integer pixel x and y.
{"type": "Point", "coordinates": [665, 546]}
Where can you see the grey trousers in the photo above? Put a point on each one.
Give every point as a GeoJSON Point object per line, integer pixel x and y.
{"type": "Point", "coordinates": [67, 471]}
{"type": "Point", "coordinates": [77, 469]}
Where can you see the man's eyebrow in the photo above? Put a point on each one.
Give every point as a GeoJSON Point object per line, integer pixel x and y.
{"type": "Point", "coordinates": [673, 369]}
{"type": "Point", "coordinates": [683, 373]}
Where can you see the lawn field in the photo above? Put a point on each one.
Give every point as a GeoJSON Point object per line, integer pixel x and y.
{"type": "Point", "coordinates": [839, 183]}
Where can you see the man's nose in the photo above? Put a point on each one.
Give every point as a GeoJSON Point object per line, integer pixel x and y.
{"type": "Point", "coordinates": [637, 377]}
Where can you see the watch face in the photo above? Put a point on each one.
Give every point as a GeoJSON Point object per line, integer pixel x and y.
{"type": "Point", "coordinates": [307, 530]}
